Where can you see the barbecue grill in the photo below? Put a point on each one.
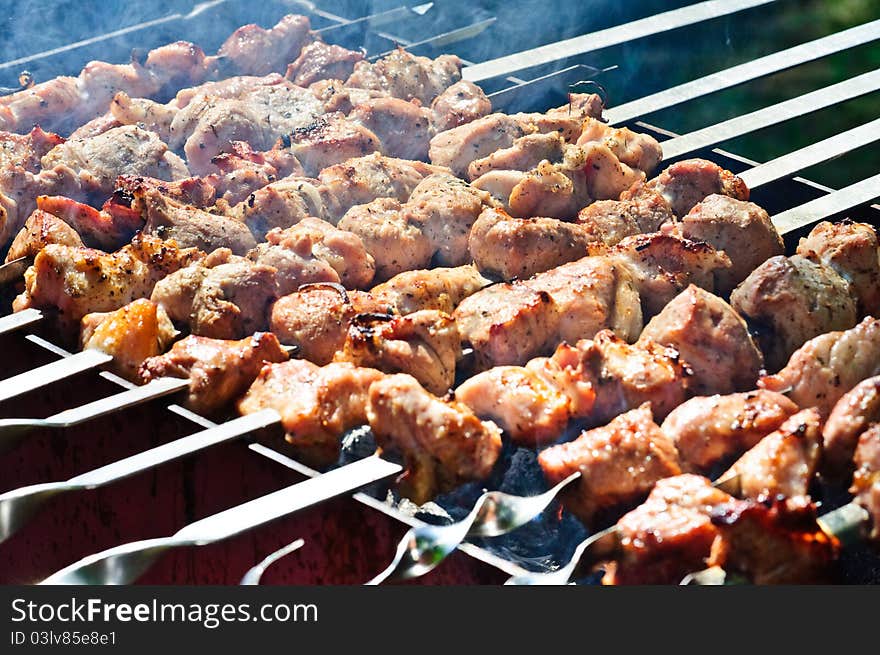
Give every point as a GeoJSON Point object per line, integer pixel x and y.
{"type": "Point", "coordinates": [350, 538]}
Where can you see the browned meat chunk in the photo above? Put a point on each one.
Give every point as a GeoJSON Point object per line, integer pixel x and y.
{"type": "Point", "coordinates": [403, 128]}
{"type": "Point", "coordinates": [233, 301]}
{"type": "Point", "coordinates": [795, 299]}
{"type": "Point", "coordinates": [424, 344]}
{"type": "Point", "coordinates": [784, 462]}
{"type": "Point", "coordinates": [741, 229]}
{"type": "Point", "coordinates": [26, 150]}
{"type": "Point", "coordinates": [407, 76]}
{"type": "Point", "coordinates": [132, 333]}
{"type": "Point", "coordinates": [219, 371]}
{"type": "Point", "coordinates": [669, 535]}
{"type": "Point", "coordinates": [528, 408]}
{"type": "Point", "coordinates": [525, 154]}
{"type": "Point", "coordinates": [688, 182]}
{"type": "Point", "coordinates": [825, 368]}
{"type": "Point", "coordinates": [851, 249]}
{"type": "Point", "coordinates": [321, 61]}
{"type": "Point", "coordinates": [331, 139]}
{"type": "Point", "coordinates": [77, 281]}
{"type": "Point", "coordinates": [443, 443]}
{"type": "Point", "coordinates": [40, 229]}
{"type": "Point", "coordinates": [108, 229]}
{"type": "Point", "coordinates": [459, 146]}
{"type": "Point", "coordinates": [316, 319]}
{"type": "Point", "coordinates": [710, 429]}
{"type": "Point", "coordinates": [712, 338]}
{"type": "Point", "coordinates": [280, 204]}
{"type": "Point", "coordinates": [318, 404]}
{"type": "Point", "coordinates": [244, 171]}
{"type": "Point", "coordinates": [293, 266]}
{"type": "Point", "coordinates": [460, 103]}
{"type": "Point", "coordinates": [442, 289]}
{"type": "Point", "coordinates": [636, 150]}
{"type": "Point", "coordinates": [516, 248]}
{"type": "Point", "coordinates": [866, 480]}
{"type": "Point", "coordinates": [607, 458]}
{"type": "Point", "coordinates": [568, 119]}
{"type": "Point", "coordinates": [852, 415]}
{"type": "Point", "coordinates": [611, 221]}
{"type": "Point", "coordinates": [257, 51]}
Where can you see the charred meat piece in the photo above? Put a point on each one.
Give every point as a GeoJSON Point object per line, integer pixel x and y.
{"type": "Point", "coordinates": [619, 464]}
{"type": "Point", "coordinates": [664, 265]}
{"type": "Point", "coordinates": [784, 462]}
{"type": "Point", "coordinates": [316, 318]}
{"type": "Point", "coordinates": [852, 415]}
{"type": "Point", "coordinates": [108, 229]}
{"type": "Point", "coordinates": [318, 404]}
{"type": "Point", "coordinates": [866, 480]}
{"type": "Point", "coordinates": [442, 289]}
{"type": "Point", "coordinates": [741, 229]}
{"type": "Point", "coordinates": [443, 443]}
{"type": "Point", "coordinates": [710, 429]}
{"type": "Point", "coordinates": [407, 76]}
{"type": "Point", "coordinates": [688, 182]}
{"type": "Point", "coordinates": [529, 409]}
{"type": "Point", "coordinates": [424, 344]}
{"type": "Point", "coordinates": [851, 249]}
{"type": "Point", "coordinates": [712, 338]}
{"type": "Point", "coordinates": [343, 251]}
{"type": "Point", "coordinates": [132, 333]}
{"type": "Point", "coordinates": [219, 371]}
{"type": "Point", "coordinates": [40, 229]}
{"type": "Point", "coordinates": [321, 61]}
{"type": "Point", "coordinates": [459, 146]}
{"type": "Point", "coordinates": [254, 50]}
{"type": "Point", "coordinates": [331, 139]}
{"type": "Point", "coordinates": [611, 221]}
{"type": "Point", "coordinates": [403, 128]}
{"type": "Point", "coordinates": [636, 150]}
{"type": "Point", "coordinates": [77, 281]}
{"type": "Point", "coordinates": [828, 366]}
{"type": "Point", "coordinates": [460, 103]}
{"type": "Point", "coordinates": [795, 299]}
{"type": "Point", "coordinates": [669, 535]}
{"type": "Point", "coordinates": [516, 248]}
{"type": "Point", "coordinates": [776, 544]}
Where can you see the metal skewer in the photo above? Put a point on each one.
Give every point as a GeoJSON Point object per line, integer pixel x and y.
{"type": "Point", "coordinates": [253, 575]}
{"type": "Point", "coordinates": [19, 320]}
{"type": "Point", "coordinates": [127, 562]}
{"type": "Point", "coordinates": [49, 373]}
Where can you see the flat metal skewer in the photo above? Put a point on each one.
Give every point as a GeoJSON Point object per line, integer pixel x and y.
{"type": "Point", "coordinates": [19, 320]}
{"type": "Point", "coordinates": [124, 564]}
{"type": "Point", "coordinates": [18, 505]}
{"type": "Point", "coordinates": [828, 205]}
{"type": "Point", "coordinates": [49, 373]}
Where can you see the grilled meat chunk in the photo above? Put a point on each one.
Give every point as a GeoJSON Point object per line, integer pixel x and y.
{"type": "Point", "coordinates": [132, 333]}
{"type": "Point", "coordinates": [795, 299]}
{"type": "Point", "coordinates": [459, 146]}
{"type": "Point", "coordinates": [636, 150]}
{"type": "Point", "coordinates": [219, 371]}
{"type": "Point", "coordinates": [443, 443]}
{"type": "Point", "coordinates": [318, 404]}
{"type": "Point", "coordinates": [710, 429]}
{"type": "Point", "coordinates": [442, 289]}
{"type": "Point", "coordinates": [511, 248]}
{"type": "Point", "coordinates": [567, 119]}
{"type": "Point", "coordinates": [828, 366]}
{"type": "Point", "coordinates": [407, 76]}
{"type": "Point", "coordinates": [524, 154]}
{"type": "Point", "coordinates": [254, 50]}
{"type": "Point", "coordinates": [331, 139]}
{"type": "Point", "coordinates": [322, 61]}
{"type": "Point", "coordinates": [233, 300]}
{"type": "Point", "coordinates": [784, 462]}
{"type": "Point", "coordinates": [244, 171]}
{"type": "Point", "coordinates": [685, 183]}
{"type": "Point", "coordinates": [669, 535]}
{"type": "Point", "coordinates": [741, 229]}
{"type": "Point", "coordinates": [77, 281]}
{"type": "Point", "coordinates": [293, 266]}
{"type": "Point", "coordinates": [280, 204]}
{"type": "Point", "coordinates": [664, 265]}
{"type": "Point", "coordinates": [851, 249]}
{"type": "Point", "coordinates": [26, 150]}
{"type": "Point", "coordinates": [529, 409]}
{"type": "Point", "coordinates": [40, 229]}
{"type": "Point", "coordinates": [175, 291]}
{"type": "Point", "coordinates": [855, 412]}
{"type": "Point", "coordinates": [403, 128]}
{"type": "Point", "coordinates": [460, 103]}
{"type": "Point", "coordinates": [316, 318]}
{"type": "Point", "coordinates": [712, 338]}
{"type": "Point", "coordinates": [619, 464]}
{"type": "Point", "coordinates": [108, 229]}
{"type": "Point", "coordinates": [424, 344]}
{"type": "Point", "coordinates": [511, 323]}
{"type": "Point", "coordinates": [125, 150]}
{"type": "Point", "coordinates": [866, 480]}
{"type": "Point", "coordinates": [611, 221]}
